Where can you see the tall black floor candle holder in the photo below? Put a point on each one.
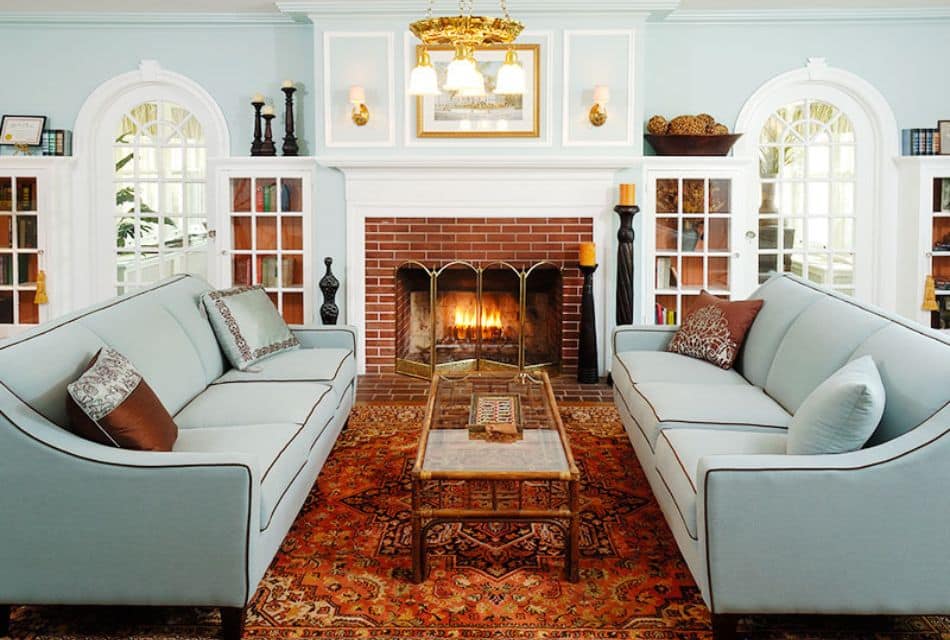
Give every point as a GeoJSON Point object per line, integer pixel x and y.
{"type": "Point", "coordinates": [587, 365]}
{"type": "Point", "coordinates": [625, 237]}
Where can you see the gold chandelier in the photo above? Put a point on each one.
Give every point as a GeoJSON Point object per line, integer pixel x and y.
{"type": "Point", "coordinates": [466, 34]}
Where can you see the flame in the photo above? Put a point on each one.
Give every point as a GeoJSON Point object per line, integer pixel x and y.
{"type": "Point", "coordinates": [464, 319]}
{"type": "Point", "coordinates": [466, 324]}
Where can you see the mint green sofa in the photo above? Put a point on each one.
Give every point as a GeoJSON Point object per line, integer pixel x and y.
{"type": "Point", "coordinates": [88, 524]}
{"type": "Point", "coordinates": [768, 533]}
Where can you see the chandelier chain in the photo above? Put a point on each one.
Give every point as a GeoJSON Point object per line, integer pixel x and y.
{"type": "Point", "coordinates": [504, 9]}
{"type": "Point", "coordinates": [429, 10]}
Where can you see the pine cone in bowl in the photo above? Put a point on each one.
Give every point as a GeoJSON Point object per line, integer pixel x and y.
{"type": "Point", "coordinates": [718, 130]}
{"type": "Point", "coordinates": [687, 126]}
{"type": "Point", "coordinates": [658, 126]}
{"type": "Point", "coordinates": [707, 119]}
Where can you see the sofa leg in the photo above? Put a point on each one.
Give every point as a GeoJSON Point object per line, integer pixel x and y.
{"type": "Point", "coordinates": [725, 626]}
{"type": "Point", "coordinates": [232, 623]}
{"type": "Point", "coordinates": [4, 619]}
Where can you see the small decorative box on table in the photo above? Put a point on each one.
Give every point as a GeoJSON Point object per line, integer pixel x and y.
{"type": "Point", "coordinates": [462, 475]}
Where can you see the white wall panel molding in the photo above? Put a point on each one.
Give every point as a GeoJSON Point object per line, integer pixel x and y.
{"type": "Point", "coordinates": [338, 8]}
{"type": "Point", "coordinates": [816, 14]}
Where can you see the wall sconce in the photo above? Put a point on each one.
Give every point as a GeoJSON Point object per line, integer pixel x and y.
{"type": "Point", "coordinates": [598, 112]}
{"type": "Point", "coordinates": [358, 100]}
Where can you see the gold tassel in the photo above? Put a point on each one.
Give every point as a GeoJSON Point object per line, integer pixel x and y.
{"type": "Point", "coordinates": [40, 297]}
{"type": "Point", "coordinates": [930, 295]}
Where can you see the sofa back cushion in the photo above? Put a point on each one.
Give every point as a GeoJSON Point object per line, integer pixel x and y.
{"type": "Point", "coordinates": [804, 334]}
{"type": "Point", "coordinates": [159, 329]}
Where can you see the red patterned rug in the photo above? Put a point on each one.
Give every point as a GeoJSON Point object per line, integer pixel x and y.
{"type": "Point", "coordinates": [343, 571]}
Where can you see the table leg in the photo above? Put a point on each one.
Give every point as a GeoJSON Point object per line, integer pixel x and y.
{"type": "Point", "coordinates": [418, 541]}
{"type": "Point", "coordinates": [573, 549]}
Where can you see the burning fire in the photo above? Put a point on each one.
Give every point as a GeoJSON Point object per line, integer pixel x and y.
{"type": "Point", "coordinates": [466, 324]}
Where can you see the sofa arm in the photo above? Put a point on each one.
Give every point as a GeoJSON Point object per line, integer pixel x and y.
{"type": "Point", "coordinates": [642, 338]}
{"type": "Point", "coordinates": [326, 336]}
{"type": "Point", "coordinates": [856, 533]}
{"type": "Point", "coordinates": [87, 524]}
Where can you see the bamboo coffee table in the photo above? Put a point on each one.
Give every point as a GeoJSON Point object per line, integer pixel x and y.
{"type": "Point", "coordinates": [459, 477]}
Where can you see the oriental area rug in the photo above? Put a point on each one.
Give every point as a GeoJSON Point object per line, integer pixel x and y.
{"type": "Point", "coordinates": [344, 570]}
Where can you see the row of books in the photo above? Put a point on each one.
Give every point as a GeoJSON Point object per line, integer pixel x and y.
{"type": "Point", "coordinates": [26, 197]}
{"type": "Point", "coordinates": [26, 228]}
{"type": "Point", "coordinates": [27, 269]}
{"type": "Point", "coordinates": [920, 142]}
{"type": "Point", "coordinates": [664, 316]}
{"type": "Point", "coordinates": [57, 142]}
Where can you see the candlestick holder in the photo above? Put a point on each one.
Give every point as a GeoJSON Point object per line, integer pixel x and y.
{"type": "Point", "coordinates": [256, 144]}
{"type": "Point", "coordinates": [267, 147]}
{"type": "Point", "coordinates": [329, 311]}
{"type": "Point", "coordinates": [625, 237]}
{"type": "Point", "coordinates": [290, 147]}
{"type": "Point", "coordinates": [588, 370]}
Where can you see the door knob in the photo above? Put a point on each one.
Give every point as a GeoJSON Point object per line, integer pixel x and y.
{"type": "Point", "coordinates": [750, 235]}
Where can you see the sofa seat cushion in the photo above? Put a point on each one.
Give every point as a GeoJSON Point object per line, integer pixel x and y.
{"type": "Point", "coordinates": [281, 450]}
{"type": "Point", "coordinates": [226, 405]}
{"type": "Point", "coordinates": [678, 452]}
{"type": "Point", "coordinates": [662, 366]}
{"type": "Point", "coordinates": [658, 406]}
{"type": "Point", "coordinates": [335, 367]}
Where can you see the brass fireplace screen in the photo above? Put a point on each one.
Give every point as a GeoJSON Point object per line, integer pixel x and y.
{"type": "Point", "coordinates": [466, 316]}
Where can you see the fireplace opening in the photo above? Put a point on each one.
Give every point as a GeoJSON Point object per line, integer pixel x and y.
{"type": "Point", "coordinates": [468, 317]}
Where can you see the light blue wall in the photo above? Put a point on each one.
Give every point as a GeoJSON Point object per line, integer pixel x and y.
{"type": "Point", "coordinates": [685, 69]}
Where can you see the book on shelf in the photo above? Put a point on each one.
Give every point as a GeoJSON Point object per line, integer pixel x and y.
{"type": "Point", "coordinates": [663, 272]}
{"type": "Point", "coordinates": [664, 316]}
{"type": "Point", "coordinates": [57, 142]}
{"type": "Point", "coordinates": [920, 142]}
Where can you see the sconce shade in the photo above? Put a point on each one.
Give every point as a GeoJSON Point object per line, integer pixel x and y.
{"type": "Point", "coordinates": [357, 95]}
{"type": "Point", "coordinates": [510, 80]}
{"type": "Point", "coordinates": [462, 74]}
{"type": "Point", "coordinates": [476, 91]}
{"type": "Point", "coordinates": [601, 95]}
{"type": "Point", "coordinates": [424, 82]}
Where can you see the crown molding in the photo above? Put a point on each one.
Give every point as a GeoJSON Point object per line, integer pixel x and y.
{"type": "Point", "coordinates": [343, 8]}
{"type": "Point", "coordinates": [743, 16]}
{"type": "Point", "coordinates": [94, 19]}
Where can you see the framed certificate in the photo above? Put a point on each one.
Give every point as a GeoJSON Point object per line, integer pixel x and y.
{"type": "Point", "coordinates": [943, 128]}
{"type": "Point", "coordinates": [22, 130]}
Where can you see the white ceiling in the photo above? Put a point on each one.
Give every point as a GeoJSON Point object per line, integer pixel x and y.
{"type": "Point", "coordinates": [267, 6]}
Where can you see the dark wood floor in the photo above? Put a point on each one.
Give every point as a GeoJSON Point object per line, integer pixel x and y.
{"type": "Point", "coordinates": [398, 389]}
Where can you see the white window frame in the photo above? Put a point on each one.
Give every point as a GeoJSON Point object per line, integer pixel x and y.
{"type": "Point", "coordinates": [876, 136]}
{"type": "Point", "coordinates": [94, 143]}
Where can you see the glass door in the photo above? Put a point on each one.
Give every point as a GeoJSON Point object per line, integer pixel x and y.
{"type": "Point", "coordinates": [21, 254]}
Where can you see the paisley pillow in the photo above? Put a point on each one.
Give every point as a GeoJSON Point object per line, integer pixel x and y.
{"type": "Point", "coordinates": [715, 329]}
{"type": "Point", "coordinates": [247, 325]}
{"type": "Point", "coordinates": [111, 404]}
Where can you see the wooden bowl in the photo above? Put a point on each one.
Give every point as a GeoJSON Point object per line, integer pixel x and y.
{"type": "Point", "coordinates": [692, 145]}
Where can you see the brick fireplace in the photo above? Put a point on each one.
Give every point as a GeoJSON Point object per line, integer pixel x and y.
{"type": "Point", "coordinates": [390, 242]}
{"type": "Point", "coordinates": [521, 209]}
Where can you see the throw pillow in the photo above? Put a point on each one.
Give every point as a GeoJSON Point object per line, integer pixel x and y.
{"type": "Point", "coordinates": [247, 325]}
{"type": "Point", "coordinates": [841, 414]}
{"type": "Point", "coordinates": [715, 330]}
{"type": "Point", "coordinates": [111, 404]}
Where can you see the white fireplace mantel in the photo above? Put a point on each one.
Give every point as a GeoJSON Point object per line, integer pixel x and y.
{"type": "Point", "coordinates": [483, 187]}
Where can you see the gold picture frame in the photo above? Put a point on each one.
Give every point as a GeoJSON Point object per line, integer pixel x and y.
{"type": "Point", "coordinates": [452, 124]}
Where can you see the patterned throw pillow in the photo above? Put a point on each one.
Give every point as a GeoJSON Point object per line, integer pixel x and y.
{"type": "Point", "coordinates": [247, 325]}
{"type": "Point", "coordinates": [715, 330]}
{"type": "Point", "coordinates": [111, 404]}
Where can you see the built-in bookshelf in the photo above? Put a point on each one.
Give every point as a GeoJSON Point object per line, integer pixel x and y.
{"type": "Point", "coordinates": [924, 236]}
{"type": "Point", "coordinates": [265, 210]}
{"type": "Point", "coordinates": [688, 222]}
{"type": "Point", "coordinates": [21, 249]}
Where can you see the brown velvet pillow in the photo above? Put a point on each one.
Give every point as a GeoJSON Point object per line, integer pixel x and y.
{"type": "Point", "coordinates": [111, 404]}
{"type": "Point", "coordinates": [715, 330]}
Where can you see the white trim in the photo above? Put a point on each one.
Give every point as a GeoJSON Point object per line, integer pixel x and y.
{"type": "Point", "coordinates": [342, 8]}
{"type": "Point", "coordinates": [547, 110]}
{"type": "Point", "coordinates": [631, 35]}
{"type": "Point", "coordinates": [457, 188]}
{"type": "Point", "coordinates": [147, 18]}
{"type": "Point", "coordinates": [97, 281]}
{"type": "Point", "coordinates": [387, 162]}
{"type": "Point", "coordinates": [390, 90]}
{"type": "Point", "coordinates": [885, 145]}
{"type": "Point", "coordinates": [817, 14]}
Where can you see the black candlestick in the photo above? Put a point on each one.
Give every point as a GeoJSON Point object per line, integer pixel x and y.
{"type": "Point", "coordinates": [290, 140]}
{"type": "Point", "coordinates": [588, 370]}
{"type": "Point", "coordinates": [267, 147]}
{"type": "Point", "coordinates": [625, 236]}
{"type": "Point", "coordinates": [329, 285]}
{"type": "Point", "coordinates": [256, 144]}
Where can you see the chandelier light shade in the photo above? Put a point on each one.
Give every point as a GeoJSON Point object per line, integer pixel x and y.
{"type": "Point", "coordinates": [510, 80]}
{"type": "Point", "coordinates": [467, 33]}
{"type": "Point", "coordinates": [424, 80]}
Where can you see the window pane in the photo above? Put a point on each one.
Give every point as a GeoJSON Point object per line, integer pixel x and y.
{"type": "Point", "coordinates": [817, 234]}
{"type": "Point", "coordinates": [819, 194]}
{"type": "Point", "coordinates": [793, 233]}
{"type": "Point", "coordinates": [842, 161]}
{"type": "Point", "coordinates": [842, 199]}
{"type": "Point", "coordinates": [819, 161]}
{"type": "Point", "coordinates": [842, 233]}
{"type": "Point", "coordinates": [793, 199]}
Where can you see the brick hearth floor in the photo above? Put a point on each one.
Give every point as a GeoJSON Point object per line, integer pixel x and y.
{"type": "Point", "coordinates": [391, 388]}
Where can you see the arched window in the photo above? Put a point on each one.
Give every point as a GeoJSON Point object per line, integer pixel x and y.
{"type": "Point", "coordinates": [807, 173]}
{"type": "Point", "coordinates": [144, 140]}
{"type": "Point", "coordinates": [161, 223]}
{"type": "Point", "coordinates": [825, 190]}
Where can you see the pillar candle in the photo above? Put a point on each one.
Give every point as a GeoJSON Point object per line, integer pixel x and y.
{"type": "Point", "coordinates": [268, 110]}
{"type": "Point", "coordinates": [257, 98]}
{"type": "Point", "coordinates": [588, 254]}
{"type": "Point", "coordinates": [628, 195]}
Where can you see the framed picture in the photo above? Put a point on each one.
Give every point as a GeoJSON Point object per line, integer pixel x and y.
{"type": "Point", "coordinates": [450, 115]}
{"type": "Point", "coordinates": [943, 128]}
{"type": "Point", "coordinates": [22, 130]}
